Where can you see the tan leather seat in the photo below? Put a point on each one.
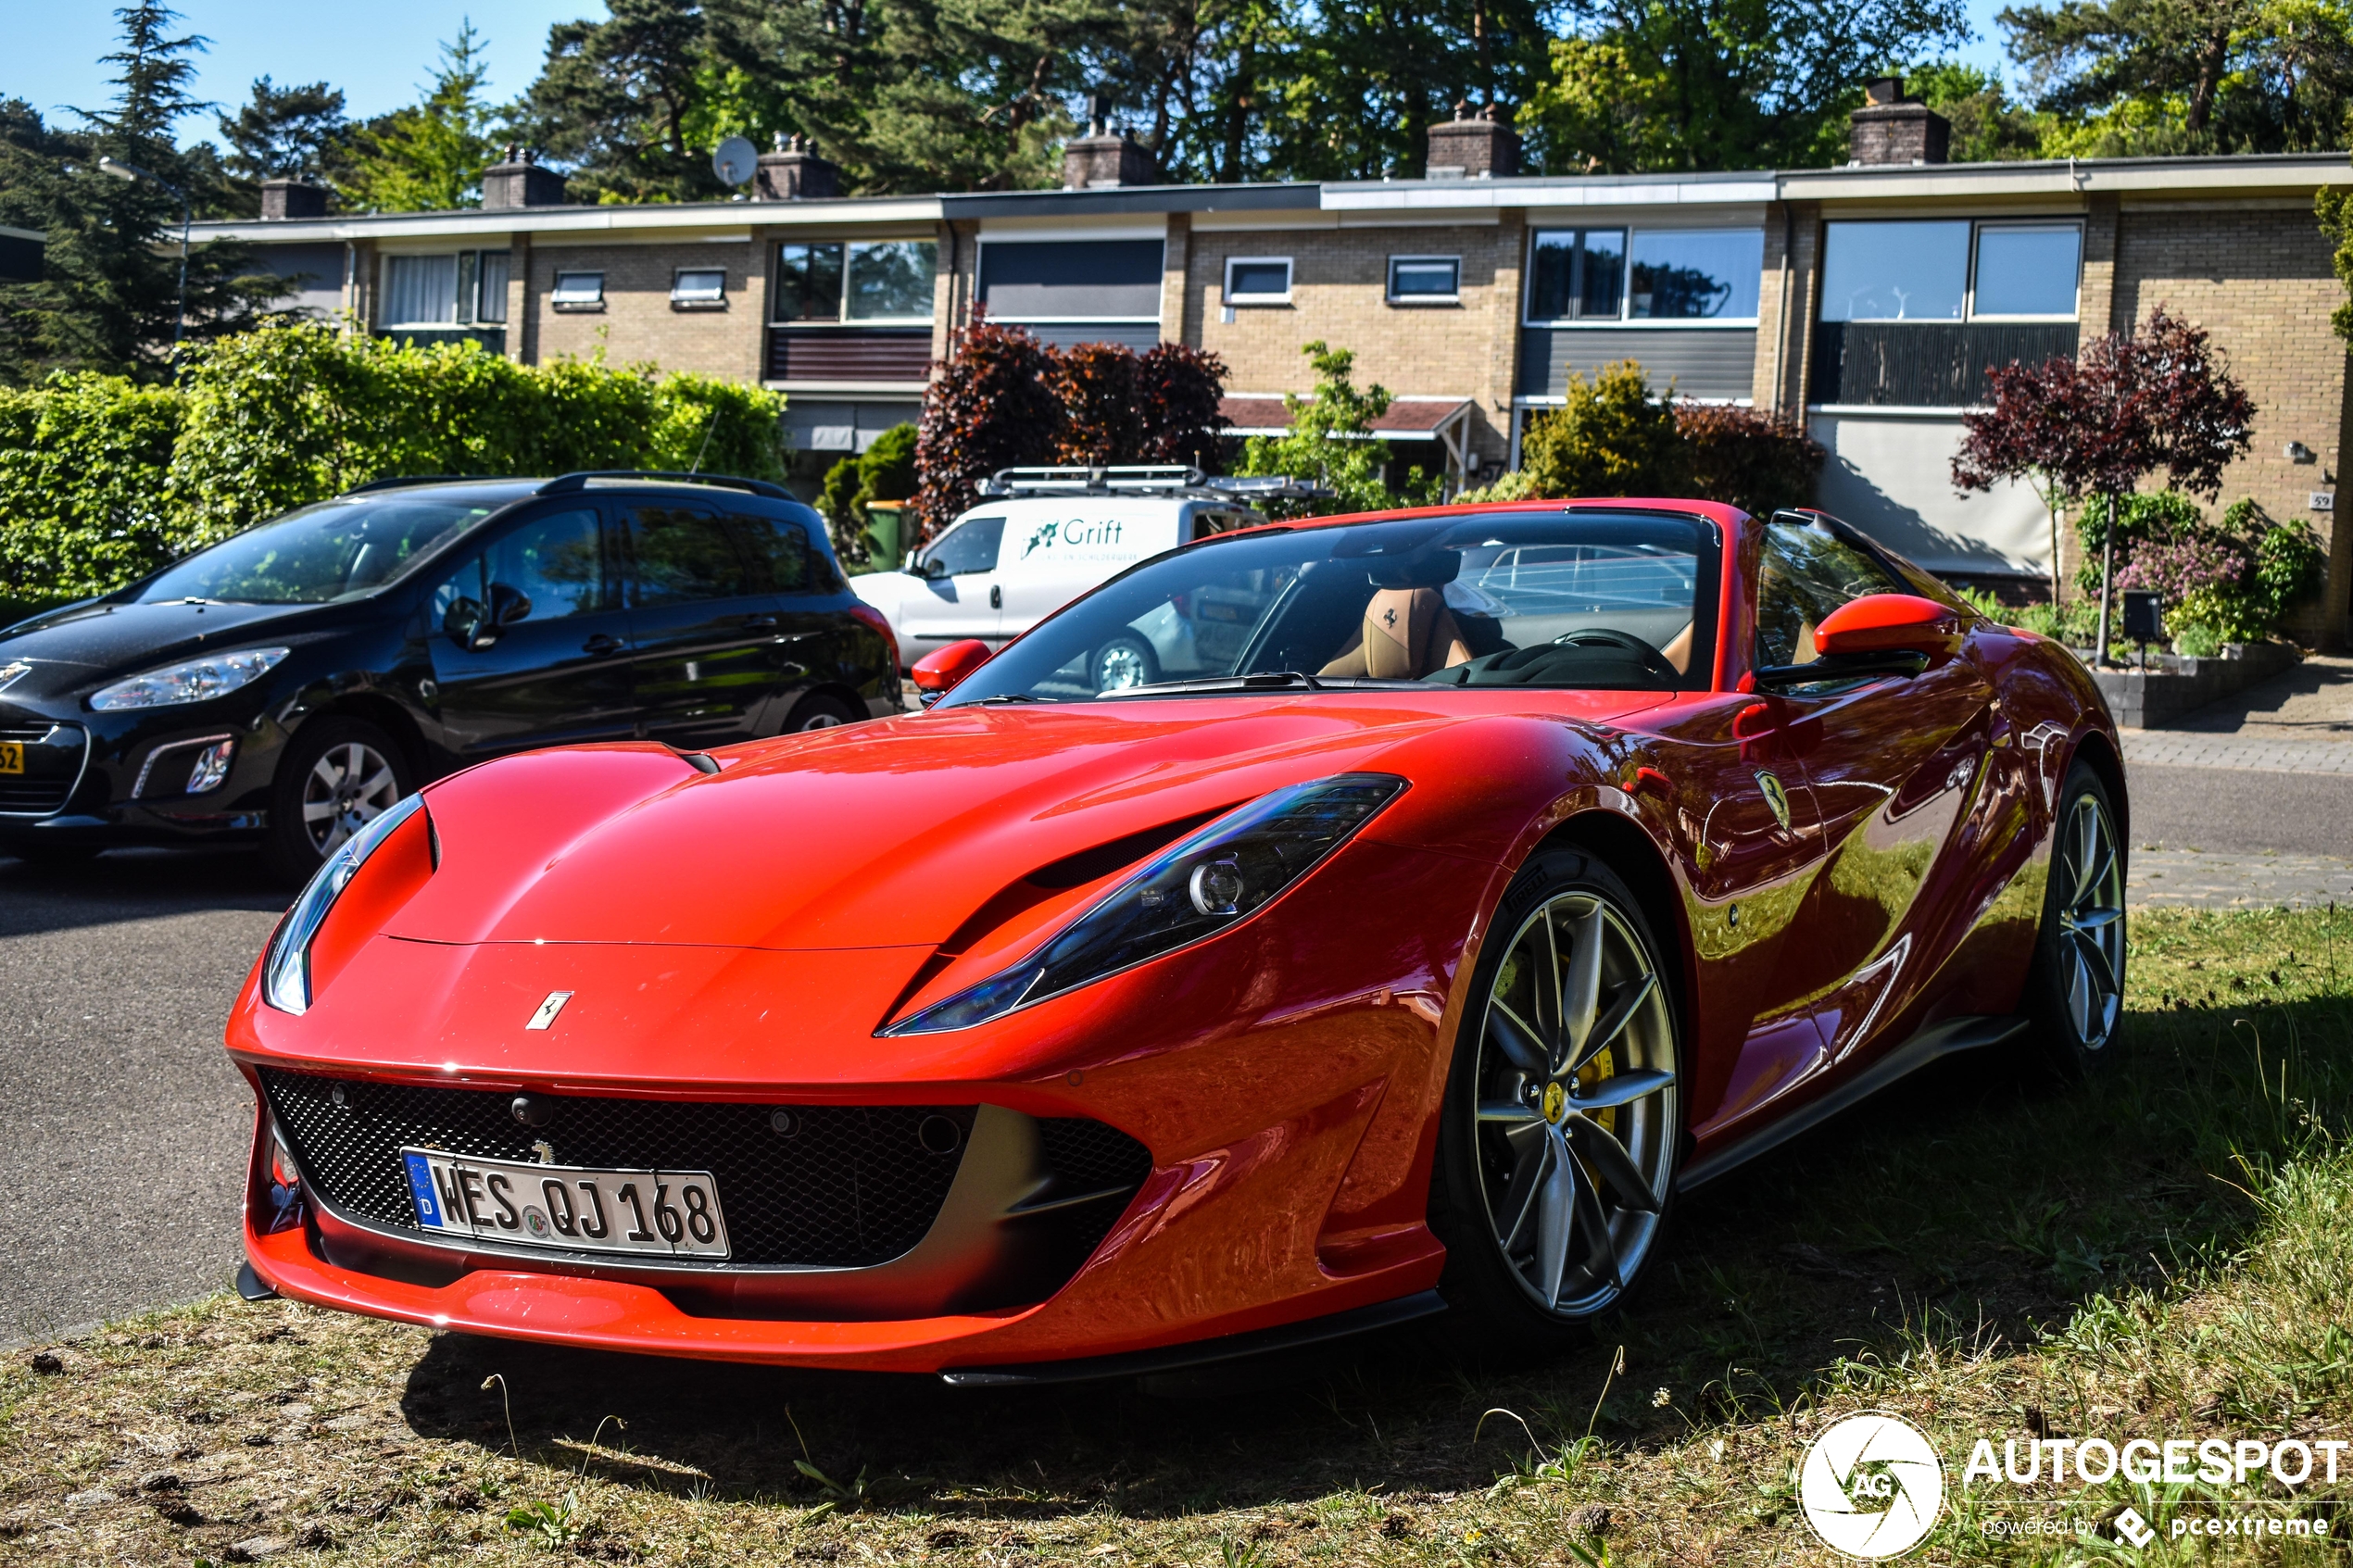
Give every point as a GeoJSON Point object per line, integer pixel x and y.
{"type": "Point", "coordinates": [1407, 633]}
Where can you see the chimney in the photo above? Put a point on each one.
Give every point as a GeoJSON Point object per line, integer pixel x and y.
{"type": "Point", "coordinates": [1105, 157]}
{"type": "Point", "coordinates": [292, 198]}
{"type": "Point", "coordinates": [1892, 129]}
{"type": "Point", "coordinates": [1473, 146]}
{"type": "Point", "coordinates": [794, 172]}
{"type": "Point", "coordinates": [517, 181]}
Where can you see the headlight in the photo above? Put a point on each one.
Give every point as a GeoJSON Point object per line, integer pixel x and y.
{"type": "Point", "coordinates": [195, 681]}
{"type": "Point", "coordinates": [1220, 876]}
{"type": "Point", "coordinates": [286, 973]}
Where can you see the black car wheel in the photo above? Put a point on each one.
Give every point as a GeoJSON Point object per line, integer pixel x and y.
{"type": "Point", "coordinates": [2075, 991]}
{"type": "Point", "coordinates": [1562, 1130]}
{"type": "Point", "coordinates": [820, 711]}
{"type": "Point", "coordinates": [336, 777]}
{"type": "Point", "coordinates": [1126, 660]}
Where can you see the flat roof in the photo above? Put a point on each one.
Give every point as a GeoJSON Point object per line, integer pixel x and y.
{"type": "Point", "coordinates": [2228, 175]}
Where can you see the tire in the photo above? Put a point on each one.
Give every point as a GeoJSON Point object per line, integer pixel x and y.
{"type": "Point", "coordinates": [1126, 660]}
{"type": "Point", "coordinates": [2075, 988]}
{"type": "Point", "coordinates": [338, 774]}
{"type": "Point", "coordinates": [1571, 1194]}
{"type": "Point", "coordinates": [820, 711]}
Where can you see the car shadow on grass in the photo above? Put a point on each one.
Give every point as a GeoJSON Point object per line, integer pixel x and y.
{"type": "Point", "coordinates": [1980, 1202]}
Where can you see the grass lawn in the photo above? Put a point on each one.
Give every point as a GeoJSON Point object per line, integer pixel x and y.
{"type": "Point", "coordinates": [2168, 1253]}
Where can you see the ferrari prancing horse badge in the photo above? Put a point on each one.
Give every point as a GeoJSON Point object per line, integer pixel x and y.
{"type": "Point", "coordinates": [1775, 796]}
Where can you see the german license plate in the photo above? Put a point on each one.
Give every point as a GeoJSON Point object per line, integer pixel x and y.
{"type": "Point", "coordinates": [669, 1213]}
{"type": "Point", "coordinates": [11, 757]}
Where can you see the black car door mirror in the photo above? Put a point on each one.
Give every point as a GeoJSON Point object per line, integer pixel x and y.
{"type": "Point", "coordinates": [931, 570]}
{"type": "Point", "coordinates": [464, 622]}
{"type": "Point", "coordinates": [508, 605]}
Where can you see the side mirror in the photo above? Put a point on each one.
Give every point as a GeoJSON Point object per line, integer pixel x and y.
{"type": "Point", "coordinates": [931, 570]}
{"type": "Point", "coordinates": [1863, 639]}
{"type": "Point", "coordinates": [508, 605]}
{"type": "Point", "coordinates": [1889, 624]}
{"type": "Point", "coordinates": [462, 621]}
{"type": "Point", "coordinates": [940, 672]}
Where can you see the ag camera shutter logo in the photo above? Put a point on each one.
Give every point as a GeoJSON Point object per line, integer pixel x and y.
{"type": "Point", "coordinates": [1871, 1485]}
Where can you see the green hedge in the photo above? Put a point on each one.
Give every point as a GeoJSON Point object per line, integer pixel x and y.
{"type": "Point", "coordinates": [101, 481]}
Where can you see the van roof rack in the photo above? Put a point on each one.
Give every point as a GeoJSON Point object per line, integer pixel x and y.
{"type": "Point", "coordinates": [563, 484]}
{"type": "Point", "coordinates": [1146, 478]}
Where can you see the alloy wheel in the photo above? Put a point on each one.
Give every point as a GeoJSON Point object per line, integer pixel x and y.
{"type": "Point", "coordinates": [2091, 918]}
{"type": "Point", "coordinates": [1120, 666]}
{"type": "Point", "coordinates": [349, 786]}
{"type": "Point", "coordinates": [820, 719]}
{"type": "Point", "coordinates": [1577, 1104]}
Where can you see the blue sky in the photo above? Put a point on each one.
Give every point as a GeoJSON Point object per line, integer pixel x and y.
{"type": "Point", "coordinates": [377, 54]}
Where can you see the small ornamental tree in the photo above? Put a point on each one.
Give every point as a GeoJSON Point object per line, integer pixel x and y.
{"type": "Point", "coordinates": [1179, 387]}
{"type": "Point", "coordinates": [2098, 424]}
{"type": "Point", "coordinates": [1103, 404]}
{"type": "Point", "coordinates": [992, 406]}
{"type": "Point", "coordinates": [1330, 441]}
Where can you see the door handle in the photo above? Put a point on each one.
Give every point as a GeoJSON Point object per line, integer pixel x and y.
{"type": "Point", "coordinates": [600, 645]}
{"type": "Point", "coordinates": [996, 596]}
{"type": "Point", "coordinates": [760, 623]}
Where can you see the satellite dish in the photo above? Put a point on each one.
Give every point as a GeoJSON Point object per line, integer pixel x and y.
{"type": "Point", "coordinates": [734, 160]}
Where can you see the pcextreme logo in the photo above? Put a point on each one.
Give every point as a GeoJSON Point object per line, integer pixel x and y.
{"type": "Point", "coordinates": [1870, 1485]}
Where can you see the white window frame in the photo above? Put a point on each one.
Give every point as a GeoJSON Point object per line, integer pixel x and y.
{"type": "Point", "coordinates": [1977, 234]}
{"type": "Point", "coordinates": [849, 260]}
{"type": "Point", "coordinates": [1626, 320]}
{"type": "Point", "coordinates": [701, 300]}
{"type": "Point", "coordinates": [1241, 300]}
{"type": "Point", "coordinates": [1388, 281]}
{"type": "Point", "coordinates": [555, 294]}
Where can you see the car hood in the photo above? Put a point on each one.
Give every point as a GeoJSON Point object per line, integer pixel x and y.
{"type": "Point", "coordinates": [82, 644]}
{"type": "Point", "coordinates": [895, 833]}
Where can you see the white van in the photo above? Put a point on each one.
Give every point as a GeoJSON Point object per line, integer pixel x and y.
{"type": "Point", "coordinates": [1043, 537]}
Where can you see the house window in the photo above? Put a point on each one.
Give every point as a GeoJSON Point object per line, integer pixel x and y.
{"type": "Point", "coordinates": [872, 281]}
{"type": "Point", "coordinates": [1576, 275]}
{"type": "Point", "coordinates": [1258, 279]}
{"type": "Point", "coordinates": [2027, 271]}
{"type": "Point", "coordinates": [445, 291]}
{"type": "Point", "coordinates": [579, 291]}
{"type": "Point", "coordinates": [1416, 280]}
{"type": "Point", "coordinates": [1695, 274]}
{"type": "Point", "coordinates": [699, 288]}
{"type": "Point", "coordinates": [1919, 270]}
{"type": "Point", "coordinates": [891, 281]}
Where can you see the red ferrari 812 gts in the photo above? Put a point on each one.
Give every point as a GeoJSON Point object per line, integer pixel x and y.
{"type": "Point", "coordinates": [1449, 891]}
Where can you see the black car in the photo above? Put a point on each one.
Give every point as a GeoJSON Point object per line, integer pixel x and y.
{"type": "Point", "coordinates": [287, 685]}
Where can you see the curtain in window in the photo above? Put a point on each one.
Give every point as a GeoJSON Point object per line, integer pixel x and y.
{"type": "Point", "coordinates": [420, 291]}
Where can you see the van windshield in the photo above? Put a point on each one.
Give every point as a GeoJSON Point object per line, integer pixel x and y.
{"type": "Point", "coordinates": [316, 555]}
{"type": "Point", "coordinates": [1570, 600]}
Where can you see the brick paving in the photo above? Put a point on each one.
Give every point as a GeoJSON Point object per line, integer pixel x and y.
{"type": "Point", "coordinates": [2196, 879]}
{"type": "Point", "coordinates": [2179, 748]}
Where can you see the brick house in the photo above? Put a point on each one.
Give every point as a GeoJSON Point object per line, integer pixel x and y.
{"type": "Point", "coordinates": [1867, 299]}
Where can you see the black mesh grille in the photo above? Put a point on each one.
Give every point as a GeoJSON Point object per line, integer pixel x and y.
{"type": "Point", "coordinates": [852, 1187]}
{"type": "Point", "coordinates": [50, 767]}
{"type": "Point", "coordinates": [1089, 1157]}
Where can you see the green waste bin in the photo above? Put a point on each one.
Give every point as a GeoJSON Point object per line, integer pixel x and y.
{"type": "Point", "coordinates": [883, 535]}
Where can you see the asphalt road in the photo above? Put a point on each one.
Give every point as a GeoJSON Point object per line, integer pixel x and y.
{"type": "Point", "coordinates": [123, 1131]}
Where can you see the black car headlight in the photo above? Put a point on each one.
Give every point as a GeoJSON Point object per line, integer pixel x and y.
{"type": "Point", "coordinates": [285, 972]}
{"type": "Point", "coordinates": [1218, 878]}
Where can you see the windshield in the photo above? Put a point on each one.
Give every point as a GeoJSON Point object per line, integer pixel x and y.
{"type": "Point", "coordinates": [1575, 600]}
{"type": "Point", "coordinates": [318, 554]}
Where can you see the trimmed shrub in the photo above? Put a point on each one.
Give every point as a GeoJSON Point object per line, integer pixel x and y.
{"type": "Point", "coordinates": [102, 482]}
{"type": "Point", "coordinates": [83, 461]}
{"type": "Point", "coordinates": [1179, 387]}
{"type": "Point", "coordinates": [1608, 438]}
{"type": "Point", "coordinates": [2228, 580]}
{"type": "Point", "coordinates": [1103, 404]}
{"type": "Point", "coordinates": [884, 472]}
{"type": "Point", "coordinates": [1745, 458]}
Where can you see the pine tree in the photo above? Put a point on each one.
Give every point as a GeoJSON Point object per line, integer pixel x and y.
{"type": "Point", "coordinates": [429, 157]}
{"type": "Point", "coordinates": [111, 295]}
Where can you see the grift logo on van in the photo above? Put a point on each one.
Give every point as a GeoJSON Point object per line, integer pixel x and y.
{"type": "Point", "coordinates": [1075, 532]}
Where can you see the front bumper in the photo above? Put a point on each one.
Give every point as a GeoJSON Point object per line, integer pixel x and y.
{"type": "Point", "coordinates": [103, 780]}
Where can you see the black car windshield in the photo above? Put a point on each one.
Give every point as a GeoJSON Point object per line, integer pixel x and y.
{"type": "Point", "coordinates": [316, 555]}
{"type": "Point", "coordinates": [1560, 600]}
